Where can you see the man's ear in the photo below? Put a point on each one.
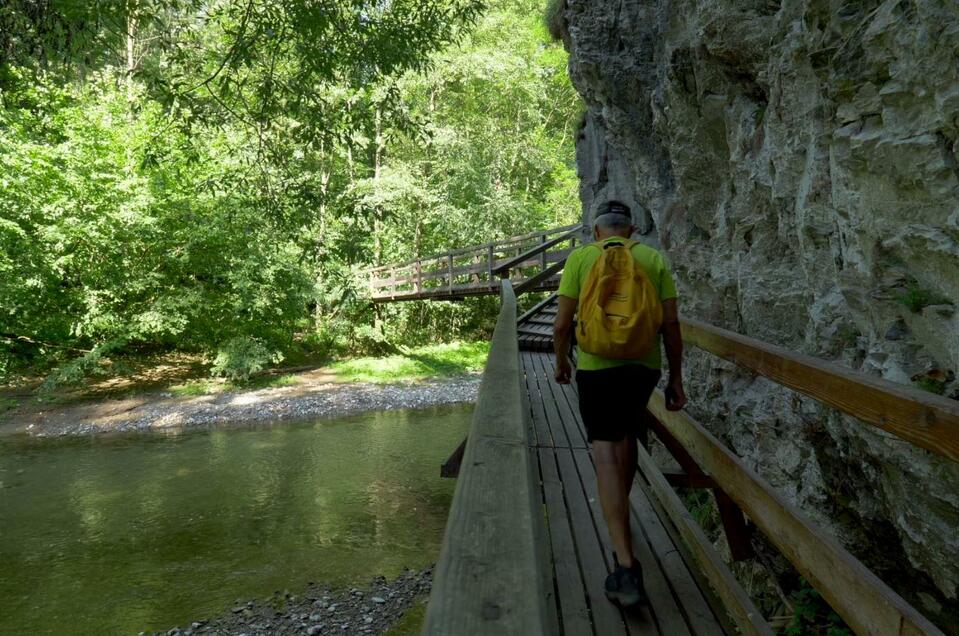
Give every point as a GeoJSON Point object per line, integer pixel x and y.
{"type": "Point", "coordinates": [595, 233]}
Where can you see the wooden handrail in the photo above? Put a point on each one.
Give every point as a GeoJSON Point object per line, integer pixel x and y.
{"type": "Point", "coordinates": [542, 247]}
{"type": "Point", "coordinates": [927, 420]}
{"type": "Point", "coordinates": [867, 604]}
{"type": "Point", "coordinates": [502, 243]}
{"type": "Point", "coordinates": [741, 608]}
{"type": "Point", "coordinates": [532, 283]}
{"type": "Point", "coordinates": [488, 578]}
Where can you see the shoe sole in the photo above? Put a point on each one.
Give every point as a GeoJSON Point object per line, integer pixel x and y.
{"type": "Point", "coordinates": [626, 600]}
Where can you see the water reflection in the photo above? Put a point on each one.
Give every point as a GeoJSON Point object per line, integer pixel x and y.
{"type": "Point", "coordinates": [115, 535]}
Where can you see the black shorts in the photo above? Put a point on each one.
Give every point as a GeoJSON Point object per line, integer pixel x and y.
{"type": "Point", "coordinates": [613, 401]}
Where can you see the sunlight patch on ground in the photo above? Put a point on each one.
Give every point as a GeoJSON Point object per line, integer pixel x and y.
{"type": "Point", "coordinates": [415, 364]}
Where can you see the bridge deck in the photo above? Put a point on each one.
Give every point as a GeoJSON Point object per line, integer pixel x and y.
{"type": "Point", "coordinates": [579, 547]}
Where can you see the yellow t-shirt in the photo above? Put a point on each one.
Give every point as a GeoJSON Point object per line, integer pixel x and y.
{"type": "Point", "coordinates": [574, 276]}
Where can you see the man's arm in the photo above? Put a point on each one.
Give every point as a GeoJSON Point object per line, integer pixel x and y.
{"type": "Point", "coordinates": [562, 334]}
{"type": "Point", "coordinates": [673, 340]}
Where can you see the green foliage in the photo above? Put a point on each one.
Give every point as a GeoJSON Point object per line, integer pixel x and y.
{"type": "Point", "coordinates": [812, 616]}
{"type": "Point", "coordinates": [932, 385]}
{"type": "Point", "coordinates": [702, 507]}
{"type": "Point", "coordinates": [916, 298]}
{"type": "Point", "coordinates": [411, 622]}
{"type": "Point", "coordinates": [241, 357]}
{"type": "Point", "coordinates": [219, 191]}
{"type": "Point", "coordinates": [414, 364]}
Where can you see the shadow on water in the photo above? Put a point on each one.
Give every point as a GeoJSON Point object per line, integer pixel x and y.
{"type": "Point", "coordinates": [122, 534]}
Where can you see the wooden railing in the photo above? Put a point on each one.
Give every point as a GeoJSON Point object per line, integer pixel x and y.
{"type": "Point", "coordinates": [493, 539]}
{"type": "Point", "coordinates": [489, 577]}
{"type": "Point", "coordinates": [532, 260]}
{"type": "Point", "coordinates": [930, 421]}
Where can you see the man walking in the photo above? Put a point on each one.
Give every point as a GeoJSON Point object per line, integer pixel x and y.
{"type": "Point", "coordinates": [626, 300]}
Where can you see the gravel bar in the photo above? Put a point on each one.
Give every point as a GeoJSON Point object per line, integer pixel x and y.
{"type": "Point", "coordinates": [163, 411]}
{"type": "Point", "coordinates": [371, 610]}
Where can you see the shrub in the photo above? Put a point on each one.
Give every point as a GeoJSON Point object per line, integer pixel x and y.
{"type": "Point", "coordinates": [240, 357]}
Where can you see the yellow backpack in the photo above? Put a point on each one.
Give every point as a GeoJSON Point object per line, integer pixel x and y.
{"type": "Point", "coordinates": [619, 310]}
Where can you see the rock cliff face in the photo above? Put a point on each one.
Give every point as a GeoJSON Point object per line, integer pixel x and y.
{"type": "Point", "coordinates": [797, 162]}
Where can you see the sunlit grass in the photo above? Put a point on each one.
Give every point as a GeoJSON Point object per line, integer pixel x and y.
{"type": "Point", "coordinates": [411, 622]}
{"type": "Point", "coordinates": [197, 388]}
{"type": "Point", "coordinates": [416, 364]}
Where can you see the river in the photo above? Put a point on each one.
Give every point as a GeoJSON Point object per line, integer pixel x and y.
{"type": "Point", "coordinates": [122, 534]}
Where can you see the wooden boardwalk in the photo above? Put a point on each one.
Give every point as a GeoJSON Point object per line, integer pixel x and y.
{"type": "Point", "coordinates": [580, 555]}
{"type": "Point", "coordinates": [526, 550]}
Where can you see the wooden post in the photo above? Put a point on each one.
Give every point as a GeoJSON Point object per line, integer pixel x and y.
{"type": "Point", "coordinates": [542, 255]}
{"type": "Point", "coordinates": [489, 264]}
{"type": "Point", "coordinates": [419, 276]}
{"type": "Point", "coordinates": [393, 282]}
{"type": "Point", "coordinates": [450, 261]}
{"type": "Point", "coordinates": [734, 524]}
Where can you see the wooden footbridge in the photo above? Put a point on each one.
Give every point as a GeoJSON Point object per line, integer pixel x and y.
{"type": "Point", "coordinates": [526, 550]}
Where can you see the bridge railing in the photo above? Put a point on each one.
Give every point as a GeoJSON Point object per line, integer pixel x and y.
{"type": "Point", "coordinates": [533, 261]}
{"type": "Point", "coordinates": [927, 420]}
{"type": "Point", "coordinates": [489, 577]}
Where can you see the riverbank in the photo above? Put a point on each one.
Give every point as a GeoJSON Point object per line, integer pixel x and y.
{"type": "Point", "coordinates": [383, 606]}
{"type": "Point", "coordinates": [314, 395]}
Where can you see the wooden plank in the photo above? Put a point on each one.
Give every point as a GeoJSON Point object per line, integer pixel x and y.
{"type": "Point", "coordinates": [556, 426]}
{"type": "Point", "coordinates": [544, 433]}
{"type": "Point", "coordinates": [607, 619]}
{"type": "Point", "coordinates": [572, 399]}
{"type": "Point", "coordinates": [648, 527]}
{"type": "Point", "coordinates": [537, 329]}
{"type": "Point", "coordinates": [927, 420]}
{"type": "Point", "coordinates": [541, 278]}
{"type": "Point", "coordinates": [538, 307]}
{"type": "Point", "coordinates": [571, 590]}
{"type": "Point", "coordinates": [663, 610]}
{"type": "Point", "coordinates": [488, 577]}
{"type": "Point", "coordinates": [538, 416]}
{"type": "Point", "coordinates": [748, 619]}
{"type": "Point", "coordinates": [569, 416]}
{"type": "Point", "coordinates": [867, 604]}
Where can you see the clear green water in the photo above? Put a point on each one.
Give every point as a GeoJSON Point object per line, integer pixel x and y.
{"type": "Point", "coordinates": [117, 535]}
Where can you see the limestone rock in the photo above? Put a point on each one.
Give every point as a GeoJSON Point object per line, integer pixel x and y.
{"type": "Point", "coordinates": [798, 162]}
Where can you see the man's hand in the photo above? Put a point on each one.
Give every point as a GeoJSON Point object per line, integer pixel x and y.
{"type": "Point", "coordinates": [564, 370]}
{"type": "Point", "coordinates": [675, 395]}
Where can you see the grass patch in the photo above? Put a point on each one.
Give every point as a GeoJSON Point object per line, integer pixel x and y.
{"type": "Point", "coordinates": [932, 386]}
{"type": "Point", "coordinates": [411, 622]}
{"type": "Point", "coordinates": [812, 615]}
{"type": "Point", "coordinates": [916, 298]}
{"type": "Point", "coordinates": [208, 386]}
{"type": "Point", "coordinates": [195, 388]}
{"type": "Point", "coordinates": [416, 364]}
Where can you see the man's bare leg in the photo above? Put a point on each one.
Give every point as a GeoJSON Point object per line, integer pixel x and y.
{"type": "Point", "coordinates": [612, 469]}
{"type": "Point", "coordinates": [629, 464]}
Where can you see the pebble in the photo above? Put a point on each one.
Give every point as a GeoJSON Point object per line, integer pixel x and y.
{"type": "Point", "coordinates": [285, 403]}
{"type": "Point", "coordinates": [347, 611]}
